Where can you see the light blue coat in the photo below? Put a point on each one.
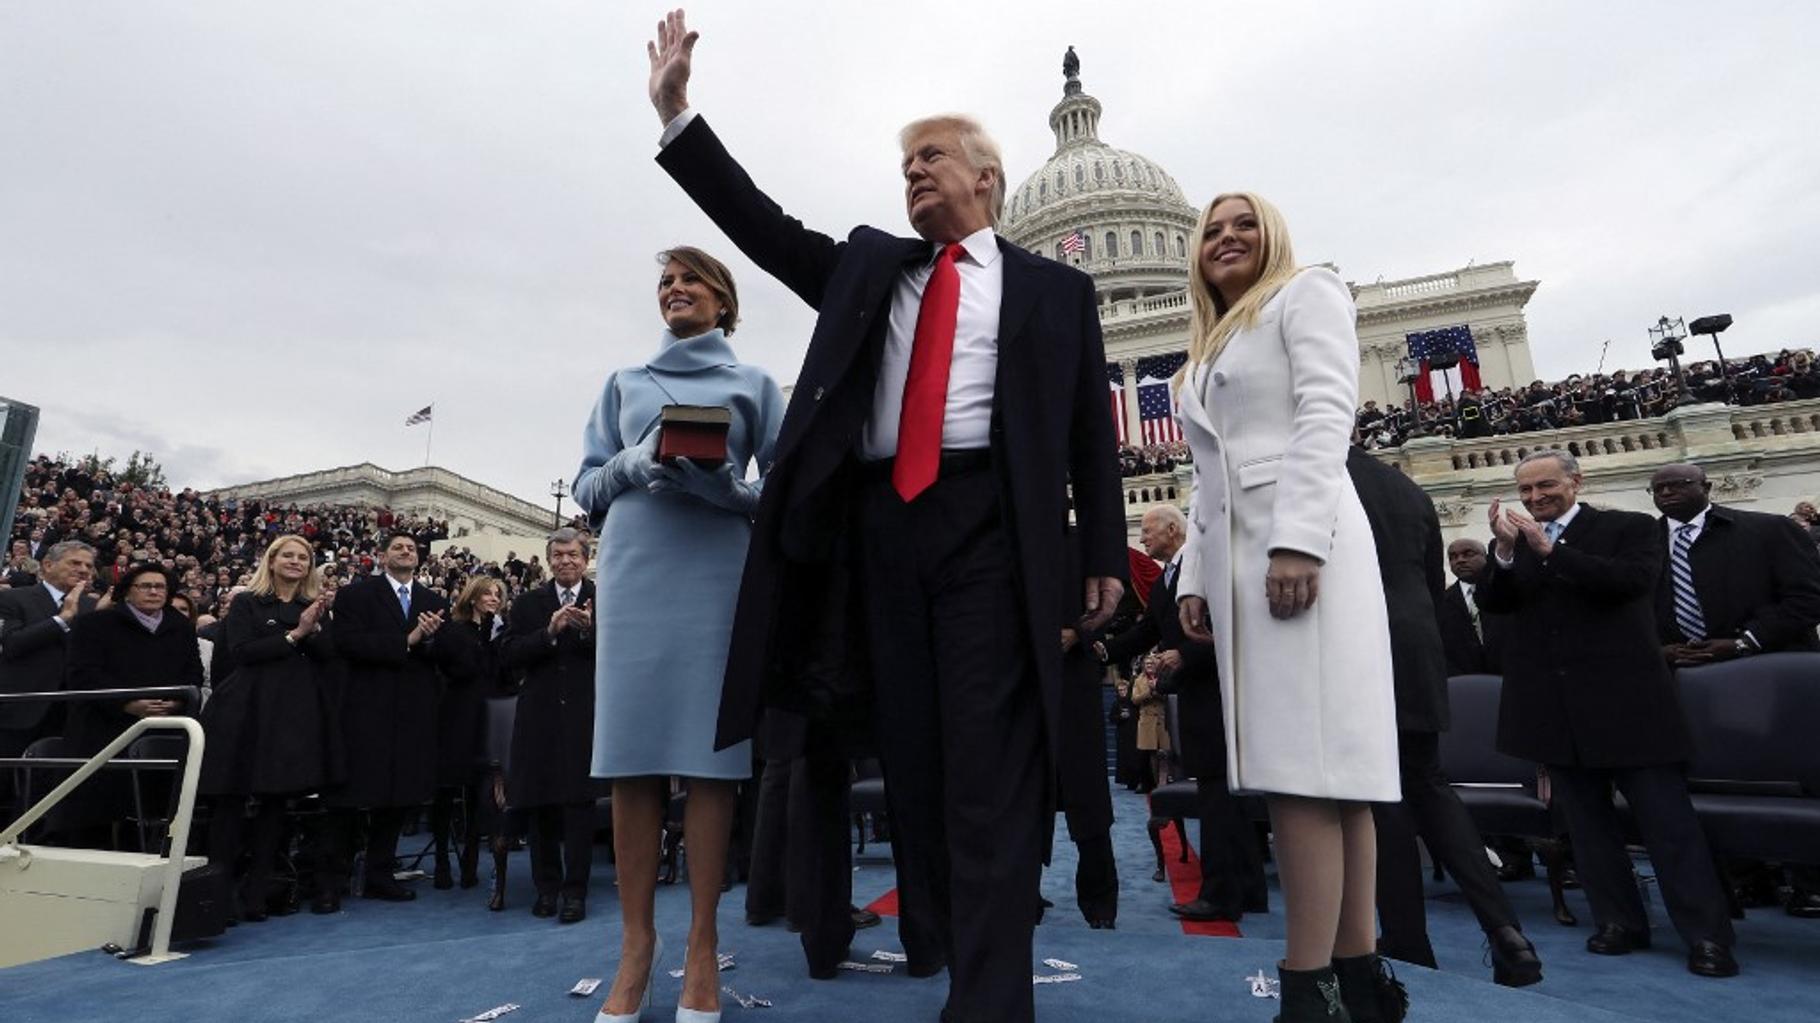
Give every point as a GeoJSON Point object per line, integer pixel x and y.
{"type": "Point", "coordinates": [668, 571]}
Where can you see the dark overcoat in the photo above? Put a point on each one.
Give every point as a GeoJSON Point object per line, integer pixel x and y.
{"type": "Point", "coordinates": [471, 673]}
{"type": "Point", "coordinates": [1050, 431]}
{"type": "Point", "coordinates": [272, 724]}
{"type": "Point", "coordinates": [389, 694]}
{"type": "Point", "coordinates": [1585, 683]}
{"type": "Point", "coordinates": [1753, 573]}
{"type": "Point", "coordinates": [33, 653]}
{"type": "Point", "coordinates": [110, 649]}
{"type": "Point", "coordinates": [1407, 533]}
{"type": "Point", "coordinates": [553, 734]}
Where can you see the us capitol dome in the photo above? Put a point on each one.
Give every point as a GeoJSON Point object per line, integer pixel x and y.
{"type": "Point", "coordinates": [1122, 219]}
{"type": "Point", "coordinates": [1112, 212]}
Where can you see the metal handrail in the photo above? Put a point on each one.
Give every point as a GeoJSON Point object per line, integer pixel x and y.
{"type": "Point", "coordinates": [177, 840]}
{"type": "Point", "coordinates": [192, 694]}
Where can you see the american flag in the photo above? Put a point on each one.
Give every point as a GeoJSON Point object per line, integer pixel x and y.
{"type": "Point", "coordinates": [1115, 380]}
{"type": "Point", "coordinates": [422, 415]}
{"type": "Point", "coordinates": [1074, 243]}
{"type": "Point", "coordinates": [1156, 398]}
{"type": "Point", "coordinates": [1425, 345]}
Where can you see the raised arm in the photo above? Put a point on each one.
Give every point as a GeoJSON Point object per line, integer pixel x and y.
{"type": "Point", "coordinates": [779, 243]}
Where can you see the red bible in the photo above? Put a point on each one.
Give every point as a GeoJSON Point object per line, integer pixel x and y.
{"type": "Point", "coordinates": [695, 432]}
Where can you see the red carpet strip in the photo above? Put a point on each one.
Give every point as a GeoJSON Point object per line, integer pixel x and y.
{"type": "Point", "coordinates": [1185, 882]}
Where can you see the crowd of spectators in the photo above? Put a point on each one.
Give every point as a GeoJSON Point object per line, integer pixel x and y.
{"type": "Point", "coordinates": [1598, 398]}
{"type": "Point", "coordinates": [1145, 459]}
{"type": "Point", "coordinates": [212, 544]}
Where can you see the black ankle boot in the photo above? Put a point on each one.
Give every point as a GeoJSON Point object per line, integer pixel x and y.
{"type": "Point", "coordinates": [1311, 996]}
{"type": "Point", "coordinates": [1370, 990]}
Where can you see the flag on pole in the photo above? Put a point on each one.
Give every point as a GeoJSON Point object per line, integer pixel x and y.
{"type": "Point", "coordinates": [422, 415]}
{"type": "Point", "coordinates": [1074, 243]}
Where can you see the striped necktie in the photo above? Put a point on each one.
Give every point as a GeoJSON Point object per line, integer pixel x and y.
{"type": "Point", "coordinates": [1681, 574]}
{"type": "Point", "coordinates": [404, 599]}
{"type": "Point", "coordinates": [1553, 530]}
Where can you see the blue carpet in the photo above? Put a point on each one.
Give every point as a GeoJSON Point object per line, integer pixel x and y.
{"type": "Point", "coordinates": [444, 957]}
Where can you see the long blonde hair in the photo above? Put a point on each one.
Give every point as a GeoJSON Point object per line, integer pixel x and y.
{"type": "Point", "coordinates": [265, 581]}
{"type": "Point", "coordinates": [1212, 324]}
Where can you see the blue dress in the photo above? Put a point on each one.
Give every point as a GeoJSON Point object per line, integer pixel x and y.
{"type": "Point", "coordinates": [667, 575]}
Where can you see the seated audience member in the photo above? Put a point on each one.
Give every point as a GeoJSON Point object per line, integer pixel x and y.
{"type": "Point", "coordinates": [1738, 584]}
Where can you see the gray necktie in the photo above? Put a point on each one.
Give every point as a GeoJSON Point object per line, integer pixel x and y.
{"type": "Point", "coordinates": [404, 599]}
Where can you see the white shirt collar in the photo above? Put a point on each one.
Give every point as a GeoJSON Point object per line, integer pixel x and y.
{"type": "Point", "coordinates": [981, 246]}
{"type": "Point", "coordinates": [1567, 519]}
{"type": "Point", "coordinates": [57, 595]}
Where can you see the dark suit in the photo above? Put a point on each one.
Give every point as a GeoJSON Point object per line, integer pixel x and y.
{"type": "Point", "coordinates": [1469, 651]}
{"type": "Point", "coordinates": [1588, 693]}
{"type": "Point", "coordinates": [553, 739]}
{"type": "Point", "coordinates": [388, 716]}
{"type": "Point", "coordinates": [967, 610]}
{"type": "Point", "coordinates": [1407, 534]}
{"type": "Point", "coordinates": [1753, 573]}
{"type": "Point", "coordinates": [33, 650]}
{"type": "Point", "coordinates": [1232, 866]}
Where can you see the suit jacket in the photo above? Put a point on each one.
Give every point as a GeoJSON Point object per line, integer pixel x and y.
{"type": "Point", "coordinates": [1585, 683]}
{"type": "Point", "coordinates": [388, 701]}
{"type": "Point", "coordinates": [1467, 652]}
{"type": "Point", "coordinates": [33, 650]}
{"type": "Point", "coordinates": [553, 732]}
{"type": "Point", "coordinates": [1407, 534]}
{"type": "Point", "coordinates": [1049, 431]}
{"type": "Point", "coordinates": [1753, 573]}
{"type": "Point", "coordinates": [1196, 683]}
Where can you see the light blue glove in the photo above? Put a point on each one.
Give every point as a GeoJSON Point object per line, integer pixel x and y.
{"type": "Point", "coordinates": [718, 487]}
{"type": "Point", "coordinates": [634, 467]}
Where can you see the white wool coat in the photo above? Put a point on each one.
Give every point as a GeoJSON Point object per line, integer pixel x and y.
{"type": "Point", "coordinates": [1309, 704]}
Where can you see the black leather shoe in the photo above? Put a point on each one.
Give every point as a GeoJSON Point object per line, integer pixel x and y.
{"type": "Point", "coordinates": [1257, 902]}
{"type": "Point", "coordinates": [1612, 940]}
{"type": "Point", "coordinates": [1514, 962]}
{"type": "Point", "coordinates": [1201, 909]}
{"type": "Point", "coordinates": [1711, 959]}
{"type": "Point", "coordinates": [545, 905]}
{"type": "Point", "coordinates": [920, 970]}
{"type": "Point", "coordinates": [864, 918]}
{"type": "Point", "coordinates": [1159, 876]}
{"type": "Point", "coordinates": [1804, 904]}
{"type": "Point", "coordinates": [574, 910]}
{"type": "Point", "coordinates": [386, 889]}
{"type": "Point", "coordinates": [325, 903]}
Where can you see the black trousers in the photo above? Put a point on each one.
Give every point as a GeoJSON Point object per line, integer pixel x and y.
{"type": "Point", "coordinates": [766, 888]}
{"type": "Point", "coordinates": [802, 855]}
{"type": "Point", "coordinates": [1431, 809]}
{"type": "Point", "coordinates": [1085, 790]}
{"type": "Point", "coordinates": [562, 848]}
{"type": "Point", "coordinates": [335, 844]}
{"type": "Point", "coordinates": [1677, 848]}
{"type": "Point", "coordinates": [231, 833]}
{"type": "Point", "coordinates": [1232, 862]}
{"type": "Point", "coordinates": [960, 729]}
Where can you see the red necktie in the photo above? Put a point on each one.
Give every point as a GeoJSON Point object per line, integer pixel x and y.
{"type": "Point", "coordinates": [919, 428]}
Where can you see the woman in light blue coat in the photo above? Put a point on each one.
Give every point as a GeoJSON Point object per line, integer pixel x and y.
{"type": "Point", "coordinates": [672, 545]}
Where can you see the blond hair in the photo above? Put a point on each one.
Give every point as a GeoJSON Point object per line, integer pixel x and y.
{"type": "Point", "coordinates": [1212, 324]}
{"type": "Point", "coordinates": [982, 152]}
{"type": "Point", "coordinates": [265, 581]}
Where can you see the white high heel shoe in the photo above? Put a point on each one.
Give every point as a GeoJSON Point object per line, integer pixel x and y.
{"type": "Point", "coordinates": [657, 957]}
{"type": "Point", "coordinates": [684, 1015]}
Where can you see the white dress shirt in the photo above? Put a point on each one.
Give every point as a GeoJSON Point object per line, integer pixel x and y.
{"type": "Point", "coordinates": [57, 596]}
{"type": "Point", "coordinates": [973, 367]}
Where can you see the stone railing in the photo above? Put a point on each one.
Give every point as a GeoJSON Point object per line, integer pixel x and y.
{"type": "Point", "coordinates": [1689, 433]}
{"type": "Point", "coordinates": [301, 488]}
{"type": "Point", "coordinates": [1172, 303]}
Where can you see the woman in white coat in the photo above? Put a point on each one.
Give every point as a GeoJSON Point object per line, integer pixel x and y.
{"type": "Point", "coordinates": [1281, 575]}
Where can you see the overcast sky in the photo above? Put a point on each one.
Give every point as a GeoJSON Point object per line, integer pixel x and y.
{"type": "Point", "coordinates": [254, 237]}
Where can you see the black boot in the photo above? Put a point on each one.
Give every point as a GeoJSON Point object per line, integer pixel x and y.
{"type": "Point", "coordinates": [1311, 996]}
{"type": "Point", "coordinates": [1370, 990]}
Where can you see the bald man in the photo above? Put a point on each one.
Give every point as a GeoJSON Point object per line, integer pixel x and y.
{"type": "Point", "coordinates": [1471, 637]}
